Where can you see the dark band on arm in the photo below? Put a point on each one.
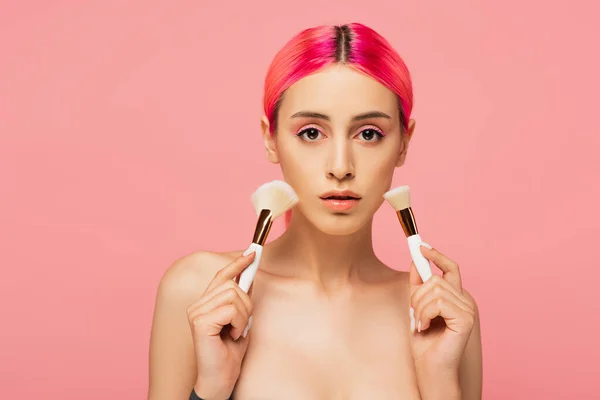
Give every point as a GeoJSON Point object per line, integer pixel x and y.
{"type": "Point", "coordinates": [194, 396]}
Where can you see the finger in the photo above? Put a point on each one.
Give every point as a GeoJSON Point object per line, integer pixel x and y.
{"type": "Point", "coordinates": [447, 266]}
{"type": "Point", "coordinates": [434, 285]}
{"type": "Point", "coordinates": [228, 293]}
{"type": "Point", "coordinates": [238, 324]}
{"type": "Point", "coordinates": [437, 293]}
{"type": "Point", "coordinates": [225, 297]}
{"type": "Point", "coordinates": [231, 270]}
{"type": "Point", "coordinates": [455, 318]}
{"type": "Point", "coordinates": [228, 285]}
{"type": "Point", "coordinates": [212, 323]}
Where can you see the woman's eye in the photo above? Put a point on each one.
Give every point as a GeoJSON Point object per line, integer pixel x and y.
{"type": "Point", "coordinates": [310, 134]}
{"type": "Point", "coordinates": [370, 135]}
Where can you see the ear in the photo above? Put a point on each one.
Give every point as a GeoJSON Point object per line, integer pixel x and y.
{"type": "Point", "coordinates": [406, 136]}
{"type": "Point", "coordinates": [269, 140]}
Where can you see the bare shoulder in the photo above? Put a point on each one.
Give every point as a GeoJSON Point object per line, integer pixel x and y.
{"type": "Point", "coordinates": [172, 359]}
{"type": "Point", "coordinates": [188, 277]}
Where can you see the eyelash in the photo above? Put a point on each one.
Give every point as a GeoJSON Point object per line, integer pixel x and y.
{"type": "Point", "coordinates": [302, 132]}
{"type": "Point", "coordinates": [378, 133]}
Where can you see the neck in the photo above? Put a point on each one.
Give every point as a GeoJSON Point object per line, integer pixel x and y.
{"type": "Point", "coordinates": [328, 260]}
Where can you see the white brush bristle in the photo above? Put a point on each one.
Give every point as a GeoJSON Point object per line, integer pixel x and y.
{"type": "Point", "coordinates": [277, 196]}
{"type": "Point", "coordinates": [399, 197]}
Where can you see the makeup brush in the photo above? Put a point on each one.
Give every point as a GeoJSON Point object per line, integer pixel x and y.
{"type": "Point", "coordinates": [270, 201]}
{"type": "Point", "coordinates": [399, 198]}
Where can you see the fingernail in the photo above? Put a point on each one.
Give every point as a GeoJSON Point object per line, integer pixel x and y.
{"type": "Point", "coordinates": [419, 326]}
{"type": "Point", "coordinates": [426, 245]}
{"type": "Point", "coordinates": [248, 252]}
{"type": "Point", "coordinates": [247, 327]}
{"type": "Point", "coordinates": [412, 320]}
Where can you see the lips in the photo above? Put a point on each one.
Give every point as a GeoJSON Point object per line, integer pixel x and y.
{"type": "Point", "coordinates": [340, 201]}
{"type": "Point", "coordinates": [339, 198]}
{"type": "Point", "coordinates": [340, 195]}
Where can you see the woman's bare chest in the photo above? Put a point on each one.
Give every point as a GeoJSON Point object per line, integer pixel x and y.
{"type": "Point", "coordinates": [321, 352]}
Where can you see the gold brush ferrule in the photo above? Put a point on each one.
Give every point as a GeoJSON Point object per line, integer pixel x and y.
{"type": "Point", "coordinates": [263, 227]}
{"type": "Point", "coordinates": [407, 220]}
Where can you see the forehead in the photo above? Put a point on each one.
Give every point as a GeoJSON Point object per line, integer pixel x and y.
{"type": "Point", "coordinates": [339, 91]}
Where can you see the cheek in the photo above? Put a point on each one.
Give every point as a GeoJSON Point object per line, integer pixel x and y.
{"type": "Point", "coordinates": [300, 166]}
{"type": "Point", "coordinates": [386, 165]}
{"type": "Point", "coordinates": [384, 171]}
{"type": "Point", "coordinates": [380, 162]}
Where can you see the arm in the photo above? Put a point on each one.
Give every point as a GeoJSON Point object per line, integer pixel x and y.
{"type": "Point", "coordinates": [449, 360]}
{"type": "Point", "coordinates": [172, 360]}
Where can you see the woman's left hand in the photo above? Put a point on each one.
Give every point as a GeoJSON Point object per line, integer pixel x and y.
{"type": "Point", "coordinates": [443, 317]}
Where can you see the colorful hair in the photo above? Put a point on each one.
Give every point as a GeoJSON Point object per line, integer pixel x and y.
{"type": "Point", "coordinates": [354, 45]}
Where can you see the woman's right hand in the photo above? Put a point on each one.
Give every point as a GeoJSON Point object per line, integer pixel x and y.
{"type": "Point", "coordinates": [218, 322]}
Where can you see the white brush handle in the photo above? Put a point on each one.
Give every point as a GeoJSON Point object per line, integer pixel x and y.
{"type": "Point", "coordinates": [422, 264]}
{"type": "Point", "coordinates": [247, 276]}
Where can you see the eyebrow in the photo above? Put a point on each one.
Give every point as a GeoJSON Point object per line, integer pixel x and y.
{"type": "Point", "coordinates": [359, 117]}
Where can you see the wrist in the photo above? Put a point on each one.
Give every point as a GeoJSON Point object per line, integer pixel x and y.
{"type": "Point", "coordinates": [210, 392]}
{"type": "Point", "coordinates": [443, 385]}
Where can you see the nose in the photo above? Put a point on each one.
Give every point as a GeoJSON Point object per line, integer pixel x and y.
{"type": "Point", "coordinates": [340, 164]}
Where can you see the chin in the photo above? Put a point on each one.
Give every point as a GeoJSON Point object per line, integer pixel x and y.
{"type": "Point", "coordinates": [339, 224]}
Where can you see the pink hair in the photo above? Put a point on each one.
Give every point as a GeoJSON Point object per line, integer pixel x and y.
{"type": "Point", "coordinates": [354, 45]}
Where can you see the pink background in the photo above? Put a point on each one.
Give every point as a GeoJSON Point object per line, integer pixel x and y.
{"type": "Point", "coordinates": [129, 136]}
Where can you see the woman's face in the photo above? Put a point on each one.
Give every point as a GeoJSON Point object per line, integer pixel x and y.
{"type": "Point", "coordinates": [337, 131]}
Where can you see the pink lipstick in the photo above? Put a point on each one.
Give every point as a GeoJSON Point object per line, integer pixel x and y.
{"type": "Point", "coordinates": [340, 200]}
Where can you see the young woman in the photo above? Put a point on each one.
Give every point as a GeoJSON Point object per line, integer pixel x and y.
{"type": "Point", "coordinates": [329, 319]}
